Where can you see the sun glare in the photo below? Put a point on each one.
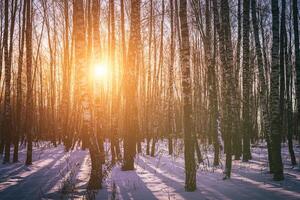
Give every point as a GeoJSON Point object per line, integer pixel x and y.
{"type": "Point", "coordinates": [100, 71]}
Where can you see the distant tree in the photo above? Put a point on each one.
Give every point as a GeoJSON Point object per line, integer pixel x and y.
{"type": "Point", "coordinates": [84, 97]}
{"type": "Point", "coordinates": [189, 147]}
{"type": "Point", "coordinates": [171, 82]}
{"type": "Point", "coordinates": [98, 95]}
{"type": "Point", "coordinates": [226, 52]}
{"type": "Point", "coordinates": [29, 94]}
{"type": "Point", "coordinates": [274, 96]}
{"type": "Point", "coordinates": [237, 139]}
{"type": "Point", "coordinates": [263, 86]}
{"type": "Point", "coordinates": [149, 79]}
{"type": "Point", "coordinates": [212, 87]}
{"type": "Point", "coordinates": [7, 77]}
{"type": "Point", "coordinates": [289, 94]}
{"type": "Point", "coordinates": [66, 83]}
{"type": "Point", "coordinates": [130, 88]}
{"type": "Point", "coordinates": [19, 119]}
{"type": "Point", "coordinates": [115, 148]}
{"type": "Point", "coordinates": [297, 53]}
{"type": "Point", "coordinates": [297, 50]}
{"type": "Point", "coordinates": [218, 36]}
{"type": "Point", "coordinates": [247, 126]}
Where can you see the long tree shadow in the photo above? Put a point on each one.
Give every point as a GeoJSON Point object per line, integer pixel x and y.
{"type": "Point", "coordinates": [10, 168]}
{"type": "Point", "coordinates": [128, 185]}
{"type": "Point", "coordinates": [211, 183]}
{"type": "Point", "coordinates": [17, 168]}
{"type": "Point", "coordinates": [291, 183]}
{"type": "Point", "coordinates": [40, 180]}
{"type": "Point", "coordinates": [177, 183]}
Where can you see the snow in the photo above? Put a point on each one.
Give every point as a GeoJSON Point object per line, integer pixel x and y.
{"type": "Point", "coordinates": [56, 174]}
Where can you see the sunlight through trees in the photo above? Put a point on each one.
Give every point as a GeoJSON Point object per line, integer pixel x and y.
{"type": "Point", "coordinates": [119, 78]}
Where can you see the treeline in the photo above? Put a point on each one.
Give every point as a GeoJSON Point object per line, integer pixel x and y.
{"type": "Point", "coordinates": [210, 72]}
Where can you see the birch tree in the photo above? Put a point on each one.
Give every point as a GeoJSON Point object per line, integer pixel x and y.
{"type": "Point", "coordinates": [130, 88]}
{"type": "Point", "coordinates": [29, 92]}
{"type": "Point", "coordinates": [189, 144]}
{"type": "Point", "coordinates": [84, 96]}
{"type": "Point", "coordinates": [274, 96]}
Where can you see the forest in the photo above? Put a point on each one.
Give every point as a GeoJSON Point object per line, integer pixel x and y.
{"type": "Point", "coordinates": [149, 99]}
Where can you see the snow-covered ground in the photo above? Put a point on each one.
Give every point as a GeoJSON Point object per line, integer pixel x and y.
{"type": "Point", "coordinates": [56, 174]}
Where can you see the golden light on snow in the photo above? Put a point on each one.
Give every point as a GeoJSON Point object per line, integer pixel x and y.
{"type": "Point", "coordinates": [100, 71]}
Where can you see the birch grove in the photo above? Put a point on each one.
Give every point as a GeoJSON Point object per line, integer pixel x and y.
{"type": "Point", "coordinates": [118, 77]}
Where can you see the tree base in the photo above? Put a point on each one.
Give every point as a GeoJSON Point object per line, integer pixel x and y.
{"type": "Point", "coordinates": [127, 168]}
{"type": "Point", "coordinates": [278, 177]}
{"type": "Point", "coordinates": [237, 157]}
{"type": "Point", "coordinates": [94, 184]}
{"type": "Point", "coordinates": [5, 162]}
{"type": "Point", "coordinates": [28, 162]}
{"type": "Point", "coordinates": [190, 188]}
{"type": "Point", "coordinates": [226, 177]}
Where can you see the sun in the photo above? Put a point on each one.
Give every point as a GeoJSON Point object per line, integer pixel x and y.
{"type": "Point", "coordinates": [100, 71]}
